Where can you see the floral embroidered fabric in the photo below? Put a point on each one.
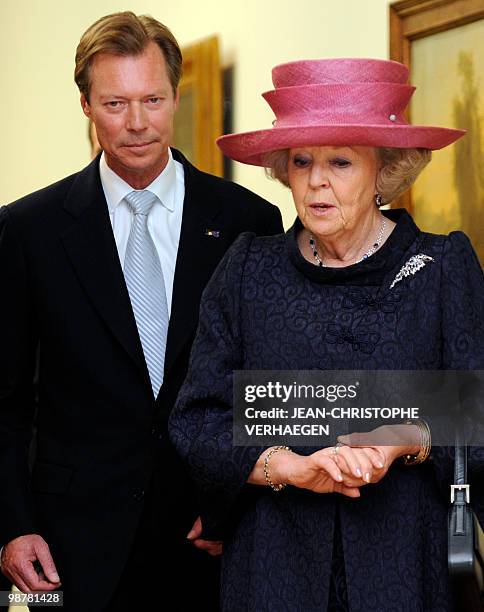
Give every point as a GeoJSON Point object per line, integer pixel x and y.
{"type": "Point", "coordinates": [268, 308]}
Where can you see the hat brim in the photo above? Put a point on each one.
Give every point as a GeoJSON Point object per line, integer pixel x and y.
{"type": "Point", "coordinates": [252, 147]}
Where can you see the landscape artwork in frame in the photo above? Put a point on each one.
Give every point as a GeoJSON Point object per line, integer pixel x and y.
{"type": "Point", "coordinates": [447, 67]}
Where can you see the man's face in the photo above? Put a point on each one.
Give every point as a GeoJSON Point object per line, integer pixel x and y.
{"type": "Point", "coordinates": [132, 104]}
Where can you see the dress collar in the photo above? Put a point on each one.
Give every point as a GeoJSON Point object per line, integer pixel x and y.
{"type": "Point", "coordinates": [370, 271]}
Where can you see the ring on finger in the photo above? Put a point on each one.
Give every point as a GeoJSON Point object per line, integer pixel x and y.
{"type": "Point", "coordinates": [336, 447]}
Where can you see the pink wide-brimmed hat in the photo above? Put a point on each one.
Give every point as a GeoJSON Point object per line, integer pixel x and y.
{"type": "Point", "coordinates": [337, 102]}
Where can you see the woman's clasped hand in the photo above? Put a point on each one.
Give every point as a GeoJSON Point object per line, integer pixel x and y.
{"type": "Point", "coordinates": [356, 460]}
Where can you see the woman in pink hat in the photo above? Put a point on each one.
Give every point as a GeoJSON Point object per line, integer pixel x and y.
{"type": "Point", "coordinates": [349, 287]}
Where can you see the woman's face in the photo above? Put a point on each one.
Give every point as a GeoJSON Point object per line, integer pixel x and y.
{"type": "Point", "coordinates": [333, 187]}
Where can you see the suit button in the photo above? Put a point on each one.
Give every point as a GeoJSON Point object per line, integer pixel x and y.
{"type": "Point", "coordinates": [139, 495]}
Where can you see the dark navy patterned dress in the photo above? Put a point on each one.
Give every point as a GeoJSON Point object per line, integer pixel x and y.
{"type": "Point", "coordinates": [268, 308]}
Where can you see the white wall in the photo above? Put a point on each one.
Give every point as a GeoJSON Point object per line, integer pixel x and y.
{"type": "Point", "coordinates": [43, 128]}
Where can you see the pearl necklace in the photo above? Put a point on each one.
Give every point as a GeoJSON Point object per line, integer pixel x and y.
{"type": "Point", "coordinates": [371, 250]}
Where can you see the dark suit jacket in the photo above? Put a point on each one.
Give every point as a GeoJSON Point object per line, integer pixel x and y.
{"type": "Point", "coordinates": [100, 434]}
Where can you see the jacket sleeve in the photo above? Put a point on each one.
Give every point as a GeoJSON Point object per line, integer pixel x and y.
{"type": "Point", "coordinates": [462, 295]}
{"type": "Point", "coordinates": [274, 221]}
{"type": "Point", "coordinates": [201, 422]}
{"type": "Point", "coordinates": [17, 359]}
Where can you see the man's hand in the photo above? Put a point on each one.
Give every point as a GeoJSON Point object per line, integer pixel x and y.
{"type": "Point", "coordinates": [17, 564]}
{"type": "Point", "coordinates": [213, 548]}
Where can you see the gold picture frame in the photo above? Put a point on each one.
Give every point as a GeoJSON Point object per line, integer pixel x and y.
{"type": "Point", "coordinates": [442, 43]}
{"type": "Point", "coordinates": [198, 120]}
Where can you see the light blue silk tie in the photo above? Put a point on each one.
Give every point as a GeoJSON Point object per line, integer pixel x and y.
{"type": "Point", "coordinates": [146, 287]}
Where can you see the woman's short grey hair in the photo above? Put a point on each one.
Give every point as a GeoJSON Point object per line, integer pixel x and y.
{"type": "Point", "coordinates": [398, 171]}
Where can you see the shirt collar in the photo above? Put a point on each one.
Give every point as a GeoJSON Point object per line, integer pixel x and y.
{"type": "Point", "coordinates": [115, 188]}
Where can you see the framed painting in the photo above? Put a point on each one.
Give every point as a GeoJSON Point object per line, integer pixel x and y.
{"type": "Point", "coordinates": [442, 43]}
{"type": "Point", "coordinates": [198, 121]}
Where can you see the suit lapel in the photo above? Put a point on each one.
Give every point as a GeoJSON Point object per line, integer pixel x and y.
{"type": "Point", "coordinates": [91, 248]}
{"type": "Point", "coordinates": [90, 245]}
{"type": "Point", "coordinates": [196, 258]}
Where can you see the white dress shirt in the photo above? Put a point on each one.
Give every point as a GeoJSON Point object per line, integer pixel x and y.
{"type": "Point", "coordinates": [164, 220]}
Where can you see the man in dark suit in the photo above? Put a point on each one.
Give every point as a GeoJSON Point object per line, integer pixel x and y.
{"type": "Point", "coordinates": [101, 277]}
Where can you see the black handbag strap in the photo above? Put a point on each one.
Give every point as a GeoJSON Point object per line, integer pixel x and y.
{"type": "Point", "coordinates": [460, 461]}
{"type": "Point", "coordinates": [460, 492]}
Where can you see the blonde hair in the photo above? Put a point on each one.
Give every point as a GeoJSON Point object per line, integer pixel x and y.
{"type": "Point", "coordinates": [125, 34]}
{"type": "Point", "coordinates": [398, 170]}
{"type": "Point", "coordinates": [275, 163]}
